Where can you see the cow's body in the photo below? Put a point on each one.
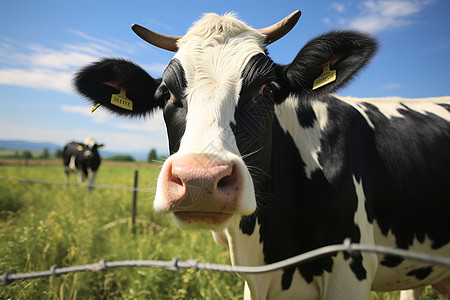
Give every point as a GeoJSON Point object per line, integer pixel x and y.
{"type": "Point", "coordinates": [276, 168]}
{"type": "Point", "coordinates": [83, 159]}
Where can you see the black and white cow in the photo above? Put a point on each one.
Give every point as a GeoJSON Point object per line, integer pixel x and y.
{"type": "Point", "coordinates": [82, 158]}
{"type": "Point", "coordinates": [267, 158]}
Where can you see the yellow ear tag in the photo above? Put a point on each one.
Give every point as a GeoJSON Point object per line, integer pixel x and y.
{"type": "Point", "coordinates": [327, 76]}
{"type": "Point", "coordinates": [94, 107]}
{"type": "Point", "coordinates": [121, 100]}
{"type": "Point", "coordinates": [80, 148]}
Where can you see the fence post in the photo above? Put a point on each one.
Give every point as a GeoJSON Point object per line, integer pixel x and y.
{"type": "Point", "coordinates": [133, 212]}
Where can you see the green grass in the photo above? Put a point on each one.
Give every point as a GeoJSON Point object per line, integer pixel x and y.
{"type": "Point", "coordinates": [8, 153]}
{"type": "Point", "coordinates": [44, 225]}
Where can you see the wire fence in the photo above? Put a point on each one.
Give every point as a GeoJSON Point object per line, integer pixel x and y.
{"type": "Point", "coordinates": [134, 189]}
{"type": "Point", "coordinates": [176, 265]}
{"type": "Point", "coordinates": [55, 182]}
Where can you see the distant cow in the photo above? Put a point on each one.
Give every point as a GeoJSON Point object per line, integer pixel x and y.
{"type": "Point", "coordinates": [82, 158]}
{"type": "Point", "coordinates": [269, 159]}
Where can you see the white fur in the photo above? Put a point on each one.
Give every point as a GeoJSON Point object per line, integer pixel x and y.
{"type": "Point", "coordinates": [307, 140]}
{"type": "Point", "coordinates": [390, 106]}
{"type": "Point", "coordinates": [90, 141]}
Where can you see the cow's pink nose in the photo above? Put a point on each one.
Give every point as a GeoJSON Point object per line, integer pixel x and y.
{"type": "Point", "coordinates": [201, 184]}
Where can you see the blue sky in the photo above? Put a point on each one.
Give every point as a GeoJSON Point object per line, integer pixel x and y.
{"type": "Point", "coordinates": [42, 43]}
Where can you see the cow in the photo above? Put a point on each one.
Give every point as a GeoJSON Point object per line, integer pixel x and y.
{"type": "Point", "coordinates": [82, 158]}
{"type": "Point", "coordinates": [270, 160]}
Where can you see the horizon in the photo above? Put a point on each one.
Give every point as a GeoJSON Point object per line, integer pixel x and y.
{"type": "Point", "coordinates": [37, 148]}
{"type": "Point", "coordinates": [42, 44]}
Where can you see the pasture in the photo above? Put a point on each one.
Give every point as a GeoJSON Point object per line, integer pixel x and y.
{"type": "Point", "coordinates": [43, 225]}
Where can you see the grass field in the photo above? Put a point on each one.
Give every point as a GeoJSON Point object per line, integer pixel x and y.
{"type": "Point", "coordinates": [44, 225]}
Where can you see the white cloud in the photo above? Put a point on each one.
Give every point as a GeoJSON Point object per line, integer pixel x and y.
{"type": "Point", "coordinates": [37, 78]}
{"type": "Point", "coordinates": [339, 7]}
{"type": "Point", "coordinates": [156, 70]}
{"type": "Point", "coordinates": [37, 66]}
{"type": "Point", "coordinates": [391, 86]}
{"type": "Point", "coordinates": [126, 142]}
{"type": "Point", "coordinates": [105, 46]}
{"type": "Point", "coordinates": [380, 15]}
{"type": "Point", "coordinates": [154, 123]}
{"type": "Point", "coordinates": [58, 59]}
{"type": "Point", "coordinates": [99, 116]}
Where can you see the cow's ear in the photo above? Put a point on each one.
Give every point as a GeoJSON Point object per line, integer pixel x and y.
{"type": "Point", "coordinates": [328, 62]}
{"type": "Point", "coordinates": [119, 85]}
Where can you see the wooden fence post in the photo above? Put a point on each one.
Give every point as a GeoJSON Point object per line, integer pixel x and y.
{"type": "Point", "coordinates": [133, 212]}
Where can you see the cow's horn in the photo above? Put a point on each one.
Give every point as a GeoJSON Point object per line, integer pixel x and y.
{"type": "Point", "coordinates": [169, 42]}
{"type": "Point", "coordinates": [163, 41]}
{"type": "Point", "coordinates": [280, 29]}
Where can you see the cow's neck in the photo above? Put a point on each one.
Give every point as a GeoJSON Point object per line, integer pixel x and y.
{"type": "Point", "coordinates": [274, 202]}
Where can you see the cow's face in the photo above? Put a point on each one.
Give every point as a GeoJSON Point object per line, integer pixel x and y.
{"type": "Point", "coordinates": [218, 110]}
{"type": "Point", "coordinates": [218, 95]}
{"type": "Point", "coordinates": [90, 149]}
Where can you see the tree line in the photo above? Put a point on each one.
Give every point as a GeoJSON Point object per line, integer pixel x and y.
{"type": "Point", "coordinates": [27, 154]}
{"type": "Point", "coordinates": [45, 154]}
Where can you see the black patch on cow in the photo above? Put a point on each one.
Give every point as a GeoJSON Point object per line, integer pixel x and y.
{"type": "Point", "coordinates": [410, 182]}
{"type": "Point", "coordinates": [446, 106]}
{"type": "Point", "coordinates": [286, 279]}
{"type": "Point", "coordinates": [247, 224]}
{"type": "Point", "coordinates": [306, 115]}
{"type": "Point", "coordinates": [391, 261]}
{"type": "Point", "coordinates": [305, 214]}
{"type": "Point", "coordinates": [175, 109]}
{"type": "Point", "coordinates": [421, 273]}
{"type": "Point", "coordinates": [258, 71]}
{"type": "Point", "coordinates": [252, 127]}
{"type": "Point", "coordinates": [357, 267]}
{"type": "Point", "coordinates": [174, 81]}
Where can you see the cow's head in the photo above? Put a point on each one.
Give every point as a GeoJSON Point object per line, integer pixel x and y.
{"type": "Point", "coordinates": [90, 147]}
{"type": "Point", "coordinates": [218, 96]}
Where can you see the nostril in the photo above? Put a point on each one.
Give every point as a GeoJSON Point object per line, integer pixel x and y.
{"type": "Point", "coordinates": [228, 185]}
{"type": "Point", "coordinates": [224, 181]}
{"type": "Point", "coordinates": [175, 186]}
{"type": "Point", "coordinates": [175, 180]}
{"type": "Point", "coordinates": [173, 177]}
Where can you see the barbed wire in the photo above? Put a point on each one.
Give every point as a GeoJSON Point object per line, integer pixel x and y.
{"type": "Point", "coordinates": [176, 265]}
{"type": "Point", "coordinates": [55, 182]}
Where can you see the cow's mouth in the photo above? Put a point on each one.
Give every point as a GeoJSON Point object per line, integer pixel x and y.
{"type": "Point", "coordinates": [203, 217]}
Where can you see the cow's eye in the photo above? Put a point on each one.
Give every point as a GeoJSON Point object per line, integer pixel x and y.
{"type": "Point", "coordinates": [266, 90]}
{"type": "Point", "coordinates": [163, 94]}
{"type": "Point", "coordinates": [166, 94]}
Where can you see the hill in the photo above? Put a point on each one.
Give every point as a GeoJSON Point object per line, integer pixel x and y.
{"type": "Point", "coordinates": [19, 145]}
{"type": "Point", "coordinates": [16, 145]}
